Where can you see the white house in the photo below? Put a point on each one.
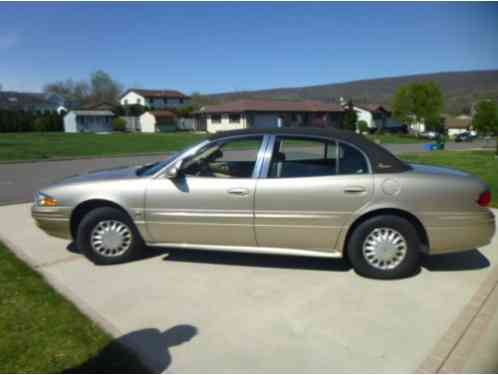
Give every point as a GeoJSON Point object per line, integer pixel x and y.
{"type": "Point", "coordinates": [363, 114]}
{"type": "Point", "coordinates": [457, 125]}
{"type": "Point", "coordinates": [155, 99]}
{"type": "Point", "coordinates": [88, 121]}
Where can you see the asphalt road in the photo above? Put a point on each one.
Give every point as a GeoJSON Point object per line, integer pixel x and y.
{"type": "Point", "coordinates": [19, 181]}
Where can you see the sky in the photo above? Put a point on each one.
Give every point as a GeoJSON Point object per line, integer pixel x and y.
{"type": "Point", "coordinates": [218, 47]}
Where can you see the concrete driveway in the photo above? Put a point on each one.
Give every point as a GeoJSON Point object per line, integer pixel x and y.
{"type": "Point", "coordinates": [255, 313]}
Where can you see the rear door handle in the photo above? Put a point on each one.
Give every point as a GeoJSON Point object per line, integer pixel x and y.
{"type": "Point", "coordinates": [239, 191]}
{"type": "Point", "coordinates": [354, 189]}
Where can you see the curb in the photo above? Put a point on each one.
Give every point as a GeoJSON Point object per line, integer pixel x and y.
{"type": "Point", "coordinates": [446, 355]}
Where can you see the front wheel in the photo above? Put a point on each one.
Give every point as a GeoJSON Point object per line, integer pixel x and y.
{"type": "Point", "coordinates": [385, 247]}
{"type": "Point", "coordinates": [106, 235]}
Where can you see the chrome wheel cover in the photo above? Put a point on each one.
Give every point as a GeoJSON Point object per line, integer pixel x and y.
{"type": "Point", "coordinates": [384, 248]}
{"type": "Point", "coordinates": [111, 238]}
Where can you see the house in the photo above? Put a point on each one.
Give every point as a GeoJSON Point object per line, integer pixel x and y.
{"type": "Point", "coordinates": [251, 113]}
{"type": "Point", "coordinates": [457, 125]}
{"type": "Point", "coordinates": [158, 121]}
{"type": "Point", "coordinates": [83, 121]}
{"type": "Point", "coordinates": [32, 102]}
{"type": "Point", "coordinates": [377, 117]}
{"type": "Point", "coordinates": [155, 99]}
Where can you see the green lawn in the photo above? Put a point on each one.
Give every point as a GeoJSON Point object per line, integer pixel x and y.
{"type": "Point", "coordinates": [23, 146]}
{"type": "Point", "coordinates": [41, 332]}
{"type": "Point", "coordinates": [481, 163]}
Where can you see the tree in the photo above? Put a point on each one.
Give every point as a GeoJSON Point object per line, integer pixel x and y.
{"type": "Point", "coordinates": [119, 124]}
{"type": "Point", "coordinates": [73, 91]}
{"type": "Point", "coordinates": [363, 126]}
{"type": "Point", "coordinates": [350, 117]}
{"type": "Point", "coordinates": [486, 117]}
{"type": "Point", "coordinates": [103, 88]}
{"type": "Point", "coordinates": [100, 88]}
{"type": "Point", "coordinates": [418, 102]}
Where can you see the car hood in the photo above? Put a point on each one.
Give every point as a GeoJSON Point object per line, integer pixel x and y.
{"type": "Point", "coordinates": [439, 170]}
{"type": "Point", "coordinates": [103, 174]}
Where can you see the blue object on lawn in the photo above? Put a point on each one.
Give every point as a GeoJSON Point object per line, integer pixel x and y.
{"type": "Point", "coordinates": [434, 146]}
{"type": "Point", "coordinates": [428, 146]}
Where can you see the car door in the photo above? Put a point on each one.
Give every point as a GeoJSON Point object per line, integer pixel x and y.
{"type": "Point", "coordinates": [311, 189]}
{"type": "Point", "coordinates": [211, 200]}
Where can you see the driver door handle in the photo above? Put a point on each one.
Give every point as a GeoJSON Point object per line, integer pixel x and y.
{"type": "Point", "coordinates": [239, 191]}
{"type": "Point", "coordinates": [354, 189]}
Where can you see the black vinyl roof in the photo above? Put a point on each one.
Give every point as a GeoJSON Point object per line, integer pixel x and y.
{"type": "Point", "coordinates": [381, 159]}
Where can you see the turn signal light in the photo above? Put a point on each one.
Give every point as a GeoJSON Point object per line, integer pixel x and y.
{"type": "Point", "coordinates": [484, 199]}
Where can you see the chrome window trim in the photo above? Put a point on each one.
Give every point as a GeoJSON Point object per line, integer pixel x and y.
{"type": "Point", "coordinates": [273, 138]}
{"type": "Point", "coordinates": [265, 152]}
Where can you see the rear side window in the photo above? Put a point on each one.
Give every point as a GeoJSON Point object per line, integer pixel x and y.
{"type": "Point", "coordinates": [351, 160]}
{"type": "Point", "coordinates": [303, 157]}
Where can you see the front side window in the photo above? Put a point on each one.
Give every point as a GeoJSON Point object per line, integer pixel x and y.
{"type": "Point", "coordinates": [216, 119]}
{"type": "Point", "coordinates": [303, 157]}
{"type": "Point", "coordinates": [234, 158]}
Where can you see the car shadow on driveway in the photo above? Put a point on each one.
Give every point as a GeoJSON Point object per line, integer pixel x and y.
{"type": "Point", "coordinates": [462, 261]}
{"type": "Point", "coordinates": [153, 345]}
{"type": "Point", "coordinates": [256, 260]}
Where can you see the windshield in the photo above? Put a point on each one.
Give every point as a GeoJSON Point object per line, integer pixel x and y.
{"type": "Point", "coordinates": [150, 169]}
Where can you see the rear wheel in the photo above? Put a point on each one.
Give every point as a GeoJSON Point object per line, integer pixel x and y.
{"type": "Point", "coordinates": [385, 247]}
{"type": "Point", "coordinates": [106, 235]}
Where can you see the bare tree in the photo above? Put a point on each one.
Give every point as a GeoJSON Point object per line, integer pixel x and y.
{"type": "Point", "coordinates": [98, 89]}
{"type": "Point", "coordinates": [104, 88]}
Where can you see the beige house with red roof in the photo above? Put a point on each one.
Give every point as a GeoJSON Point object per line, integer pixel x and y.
{"type": "Point", "coordinates": [155, 99]}
{"type": "Point", "coordinates": [249, 113]}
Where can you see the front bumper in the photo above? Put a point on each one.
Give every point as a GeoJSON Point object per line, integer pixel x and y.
{"type": "Point", "coordinates": [55, 221]}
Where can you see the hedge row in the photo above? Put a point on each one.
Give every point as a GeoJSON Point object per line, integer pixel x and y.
{"type": "Point", "coordinates": [21, 121]}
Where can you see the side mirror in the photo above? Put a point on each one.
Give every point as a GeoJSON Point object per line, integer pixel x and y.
{"type": "Point", "coordinates": [173, 171]}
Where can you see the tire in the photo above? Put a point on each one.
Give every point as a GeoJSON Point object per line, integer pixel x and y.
{"type": "Point", "coordinates": [385, 247]}
{"type": "Point", "coordinates": [119, 241]}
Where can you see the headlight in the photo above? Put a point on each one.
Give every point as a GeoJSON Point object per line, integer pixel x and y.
{"type": "Point", "coordinates": [44, 200]}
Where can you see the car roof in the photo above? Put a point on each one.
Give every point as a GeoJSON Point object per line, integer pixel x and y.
{"type": "Point", "coordinates": [381, 159]}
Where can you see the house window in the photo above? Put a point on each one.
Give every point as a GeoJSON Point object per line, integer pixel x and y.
{"type": "Point", "coordinates": [181, 100]}
{"type": "Point", "coordinates": [139, 101]}
{"type": "Point", "coordinates": [234, 119]}
{"type": "Point", "coordinates": [216, 119]}
{"type": "Point", "coordinates": [165, 100]}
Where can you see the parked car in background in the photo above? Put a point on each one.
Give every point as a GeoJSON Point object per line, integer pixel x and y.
{"type": "Point", "coordinates": [326, 193]}
{"type": "Point", "coordinates": [430, 135]}
{"type": "Point", "coordinates": [465, 137]}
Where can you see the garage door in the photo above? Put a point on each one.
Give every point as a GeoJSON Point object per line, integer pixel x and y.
{"type": "Point", "coordinates": [265, 121]}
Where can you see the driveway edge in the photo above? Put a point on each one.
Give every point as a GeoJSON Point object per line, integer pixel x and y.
{"type": "Point", "coordinates": [454, 347]}
{"type": "Point", "coordinates": [86, 309]}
